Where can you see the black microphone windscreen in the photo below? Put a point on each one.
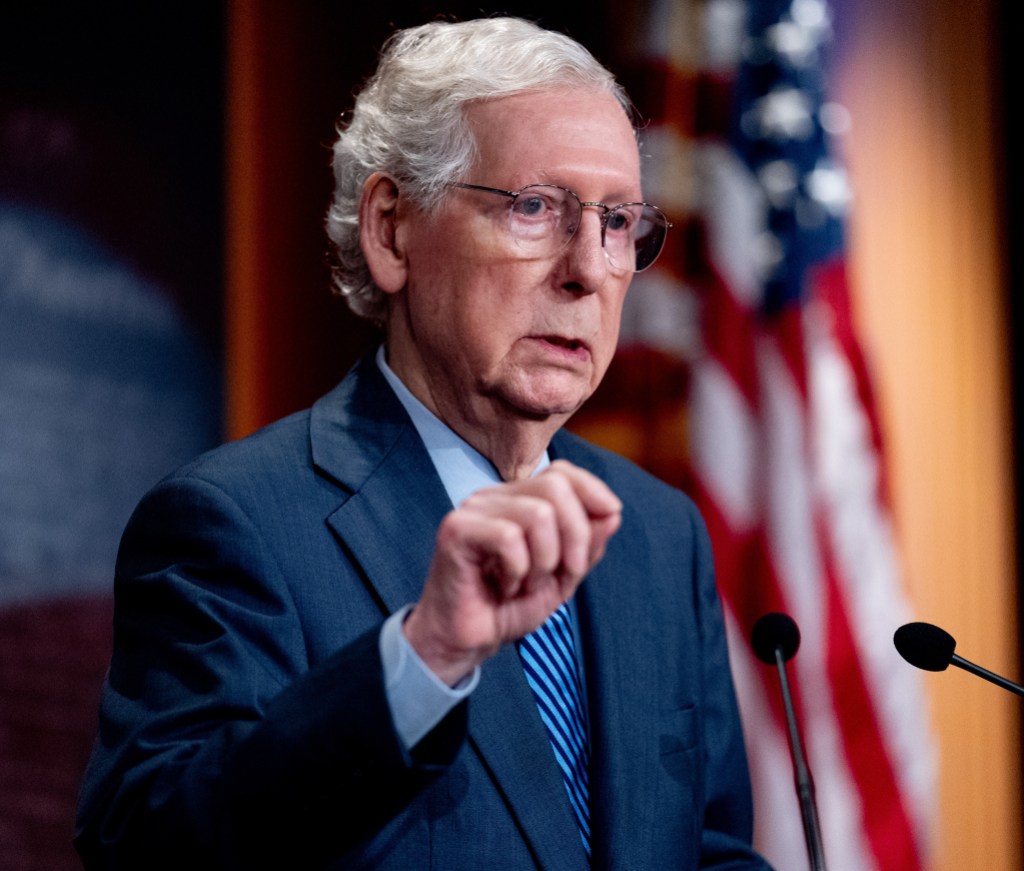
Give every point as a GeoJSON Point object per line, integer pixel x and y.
{"type": "Point", "coordinates": [773, 631]}
{"type": "Point", "coordinates": [925, 646]}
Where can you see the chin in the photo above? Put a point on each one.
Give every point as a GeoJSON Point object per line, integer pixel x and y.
{"type": "Point", "coordinates": [542, 406]}
{"type": "Point", "coordinates": [550, 395]}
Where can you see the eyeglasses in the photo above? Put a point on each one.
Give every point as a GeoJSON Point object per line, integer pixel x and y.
{"type": "Point", "coordinates": [543, 218]}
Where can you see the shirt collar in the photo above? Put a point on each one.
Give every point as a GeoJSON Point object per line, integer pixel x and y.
{"type": "Point", "coordinates": [462, 468]}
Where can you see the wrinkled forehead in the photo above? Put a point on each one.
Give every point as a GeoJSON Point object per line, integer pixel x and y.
{"type": "Point", "coordinates": [558, 135]}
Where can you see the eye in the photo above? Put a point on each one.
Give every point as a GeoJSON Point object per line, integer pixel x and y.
{"type": "Point", "coordinates": [620, 221]}
{"type": "Point", "coordinates": [533, 206]}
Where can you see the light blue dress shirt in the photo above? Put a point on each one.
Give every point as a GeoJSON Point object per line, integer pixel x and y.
{"type": "Point", "coordinates": [419, 700]}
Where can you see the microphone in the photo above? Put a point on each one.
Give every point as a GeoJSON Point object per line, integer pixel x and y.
{"type": "Point", "coordinates": [775, 640]}
{"type": "Point", "coordinates": [931, 648]}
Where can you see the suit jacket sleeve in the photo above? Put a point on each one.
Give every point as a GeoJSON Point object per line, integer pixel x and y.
{"type": "Point", "coordinates": [211, 753]}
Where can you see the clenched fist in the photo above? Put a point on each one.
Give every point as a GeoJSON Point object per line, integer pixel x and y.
{"type": "Point", "coordinates": [505, 559]}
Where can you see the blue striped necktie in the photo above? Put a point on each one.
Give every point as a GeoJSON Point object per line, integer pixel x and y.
{"type": "Point", "coordinates": [549, 660]}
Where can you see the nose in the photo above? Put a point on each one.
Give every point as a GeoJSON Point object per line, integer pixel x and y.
{"type": "Point", "coordinates": [585, 260]}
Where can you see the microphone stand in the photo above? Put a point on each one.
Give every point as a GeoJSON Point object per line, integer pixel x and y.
{"type": "Point", "coordinates": [992, 677]}
{"type": "Point", "coordinates": [804, 782]}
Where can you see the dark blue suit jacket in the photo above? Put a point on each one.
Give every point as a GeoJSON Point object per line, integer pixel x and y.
{"type": "Point", "coordinates": [244, 723]}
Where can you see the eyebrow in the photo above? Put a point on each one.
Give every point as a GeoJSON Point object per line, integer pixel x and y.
{"type": "Point", "coordinates": [545, 178]}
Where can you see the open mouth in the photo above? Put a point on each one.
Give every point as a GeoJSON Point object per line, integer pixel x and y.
{"type": "Point", "coordinates": [563, 342]}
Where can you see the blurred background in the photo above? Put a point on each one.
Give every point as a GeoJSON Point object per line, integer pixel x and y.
{"type": "Point", "coordinates": [824, 357]}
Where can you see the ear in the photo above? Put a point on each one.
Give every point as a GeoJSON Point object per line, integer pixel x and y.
{"type": "Point", "coordinates": [378, 236]}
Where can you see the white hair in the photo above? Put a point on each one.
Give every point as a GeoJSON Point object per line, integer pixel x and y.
{"type": "Point", "coordinates": [409, 122]}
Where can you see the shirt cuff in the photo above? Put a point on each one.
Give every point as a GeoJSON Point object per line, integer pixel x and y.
{"type": "Point", "coordinates": [418, 698]}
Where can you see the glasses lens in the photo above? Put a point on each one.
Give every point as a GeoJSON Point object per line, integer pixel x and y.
{"type": "Point", "coordinates": [634, 234]}
{"type": "Point", "coordinates": [543, 218]}
{"type": "Point", "coordinates": [648, 236]}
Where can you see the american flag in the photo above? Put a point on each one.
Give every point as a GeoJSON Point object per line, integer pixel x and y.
{"type": "Point", "coordinates": [785, 446]}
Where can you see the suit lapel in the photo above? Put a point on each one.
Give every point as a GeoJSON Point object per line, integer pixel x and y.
{"type": "Point", "coordinates": [363, 439]}
{"type": "Point", "coordinates": [616, 625]}
{"type": "Point", "coordinates": [390, 523]}
{"type": "Point", "coordinates": [618, 651]}
{"type": "Point", "coordinates": [507, 732]}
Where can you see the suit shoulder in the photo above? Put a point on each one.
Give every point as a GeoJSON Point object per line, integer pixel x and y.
{"type": "Point", "coordinates": [282, 445]}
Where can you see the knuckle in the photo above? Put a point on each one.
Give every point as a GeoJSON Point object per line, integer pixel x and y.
{"type": "Point", "coordinates": [555, 486]}
{"type": "Point", "coordinates": [473, 502]}
{"type": "Point", "coordinates": [541, 512]}
{"type": "Point", "coordinates": [450, 532]}
{"type": "Point", "coordinates": [508, 535]}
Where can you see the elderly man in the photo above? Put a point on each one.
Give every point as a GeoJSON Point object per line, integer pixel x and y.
{"type": "Point", "coordinates": [360, 637]}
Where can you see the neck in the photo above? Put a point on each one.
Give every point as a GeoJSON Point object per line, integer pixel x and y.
{"type": "Point", "coordinates": [515, 451]}
{"type": "Point", "coordinates": [514, 443]}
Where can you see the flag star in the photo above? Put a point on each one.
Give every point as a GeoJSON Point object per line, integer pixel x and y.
{"type": "Point", "coordinates": [767, 254]}
{"type": "Point", "coordinates": [784, 113]}
{"type": "Point", "coordinates": [835, 118]}
{"type": "Point", "coordinates": [796, 44]}
{"type": "Point", "coordinates": [813, 15]}
{"type": "Point", "coordinates": [779, 180]}
{"type": "Point", "coordinates": [827, 184]}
